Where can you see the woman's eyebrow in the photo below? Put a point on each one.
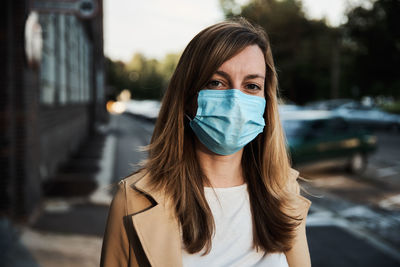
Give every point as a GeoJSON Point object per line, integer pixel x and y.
{"type": "Point", "coordinates": [248, 77]}
{"type": "Point", "coordinates": [254, 76]}
{"type": "Point", "coordinates": [223, 74]}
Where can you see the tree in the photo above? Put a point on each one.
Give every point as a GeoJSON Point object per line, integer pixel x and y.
{"type": "Point", "coordinates": [146, 81]}
{"type": "Point", "coordinates": [303, 49]}
{"type": "Point", "coordinates": [168, 64]}
{"type": "Point", "coordinates": [144, 78]}
{"type": "Point", "coordinates": [371, 39]}
{"type": "Point", "coordinates": [116, 77]}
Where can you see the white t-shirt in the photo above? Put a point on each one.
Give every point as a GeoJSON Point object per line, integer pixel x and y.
{"type": "Point", "coordinates": [232, 244]}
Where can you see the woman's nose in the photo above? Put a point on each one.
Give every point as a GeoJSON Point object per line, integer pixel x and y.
{"type": "Point", "coordinates": [236, 85]}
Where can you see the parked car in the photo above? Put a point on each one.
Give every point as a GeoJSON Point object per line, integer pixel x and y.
{"type": "Point", "coordinates": [289, 107]}
{"type": "Point", "coordinates": [321, 137]}
{"type": "Point", "coordinates": [329, 104]}
{"type": "Point", "coordinates": [368, 116]}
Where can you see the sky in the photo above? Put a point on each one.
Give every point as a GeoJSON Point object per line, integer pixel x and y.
{"type": "Point", "coordinates": [158, 27]}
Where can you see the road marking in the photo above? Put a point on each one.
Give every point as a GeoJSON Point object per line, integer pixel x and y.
{"type": "Point", "coordinates": [57, 206]}
{"type": "Point", "coordinates": [385, 172]}
{"type": "Point", "coordinates": [104, 176]}
{"type": "Point", "coordinates": [391, 203]}
{"type": "Point", "coordinates": [359, 211]}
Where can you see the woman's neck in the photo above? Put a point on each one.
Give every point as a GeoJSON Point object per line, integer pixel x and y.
{"type": "Point", "coordinates": [221, 171]}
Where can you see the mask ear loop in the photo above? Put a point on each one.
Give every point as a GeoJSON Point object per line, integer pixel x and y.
{"type": "Point", "coordinates": [187, 116]}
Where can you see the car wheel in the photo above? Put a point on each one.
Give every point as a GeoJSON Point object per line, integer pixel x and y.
{"type": "Point", "coordinates": [357, 163]}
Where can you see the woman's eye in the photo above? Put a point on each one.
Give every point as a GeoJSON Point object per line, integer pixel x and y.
{"type": "Point", "coordinates": [214, 83]}
{"type": "Point", "coordinates": [253, 86]}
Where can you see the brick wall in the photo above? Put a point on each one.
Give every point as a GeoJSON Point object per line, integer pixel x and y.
{"type": "Point", "coordinates": [62, 129]}
{"type": "Point", "coordinates": [20, 190]}
{"type": "Point", "coordinates": [36, 138]}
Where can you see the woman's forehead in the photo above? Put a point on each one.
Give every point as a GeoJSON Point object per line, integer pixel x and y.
{"type": "Point", "coordinates": [249, 61]}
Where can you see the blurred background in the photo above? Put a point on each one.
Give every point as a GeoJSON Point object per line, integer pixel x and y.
{"type": "Point", "coordinates": [81, 85]}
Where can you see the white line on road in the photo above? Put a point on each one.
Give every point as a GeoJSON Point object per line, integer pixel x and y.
{"type": "Point", "coordinates": [104, 176]}
{"type": "Point", "coordinates": [385, 172]}
{"type": "Point", "coordinates": [391, 203]}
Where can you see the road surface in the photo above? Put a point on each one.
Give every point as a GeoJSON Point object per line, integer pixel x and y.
{"type": "Point", "coordinates": [349, 215]}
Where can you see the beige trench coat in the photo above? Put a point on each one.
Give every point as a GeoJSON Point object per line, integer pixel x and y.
{"type": "Point", "coordinates": [143, 231]}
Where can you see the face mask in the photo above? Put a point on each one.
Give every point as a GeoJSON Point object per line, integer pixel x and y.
{"type": "Point", "coordinates": [227, 120]}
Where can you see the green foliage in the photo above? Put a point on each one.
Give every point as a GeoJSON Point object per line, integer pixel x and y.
{"type": "Point", "coordinates": [145, 78]}
{"type": "Point", "coordinates": [371, 38]}
{"type": "Point", "coordinates": [146, 81]}
{"type": "Point", "coordinates": [316, 61]}
{"type": "Point", "coordinates": [302, 48]}
{"type": "Point", "coordinates": [168, 65]}
{"type": "Point", "coordinates": [116, 77]}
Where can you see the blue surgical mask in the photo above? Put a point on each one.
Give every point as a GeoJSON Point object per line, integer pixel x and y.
{"type": "Point", "coordinates": [227, 120]}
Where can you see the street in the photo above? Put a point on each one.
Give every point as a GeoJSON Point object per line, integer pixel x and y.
{"type": "Point", "coordinates": [132, 133]}
{"type": "Point", "coordinates": [366, 207]}
{"type": "Point", "coordinates": [346, 211]}
{"type": "Point", "coordinates": [353, 220]}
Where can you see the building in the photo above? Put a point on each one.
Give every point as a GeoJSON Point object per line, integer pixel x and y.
{"type": "Point", "coordinates": [52, 92]}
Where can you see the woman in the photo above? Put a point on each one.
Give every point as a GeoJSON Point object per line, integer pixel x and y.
{"type": "Point", "coordinates": [217, 188]}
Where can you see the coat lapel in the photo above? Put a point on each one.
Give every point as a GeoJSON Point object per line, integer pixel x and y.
{"type": "Point", "coordinates": [157, 228]}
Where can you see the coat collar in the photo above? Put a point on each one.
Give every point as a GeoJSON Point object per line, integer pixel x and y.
{"type": "Point", "coordinates": [142, 184]}
{"type": "Point", "coordinates": [157, 226]}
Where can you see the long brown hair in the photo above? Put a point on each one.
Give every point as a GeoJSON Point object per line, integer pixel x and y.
{"type": "Point", "coordinates": [172, 161]}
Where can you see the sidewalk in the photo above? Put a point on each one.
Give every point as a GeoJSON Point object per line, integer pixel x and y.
{"type": "Point", "coordinates": [69, 229]}
{"type": "Point", "coordinates": [27, 246]}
